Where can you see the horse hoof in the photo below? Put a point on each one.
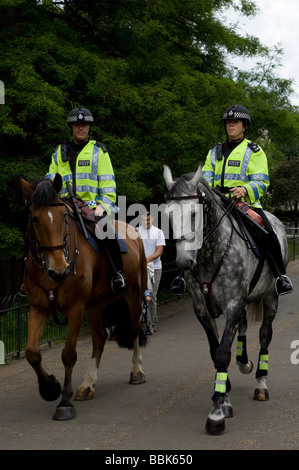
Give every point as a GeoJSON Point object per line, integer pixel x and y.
{"type": "Point", "coordinates": [215, 427]}
{"type": "Point", "coordinates": [137, 378]}
{"type": "Point", "coordinates": [227, 408]}
{"type": "Point", "coordinates": [64, 413]}
{"type": "Point", "coordinates": [50, 390]}
{"type": "Point", "coordinates": [245, 368]}
{"type": "Point", "coordinates": [228, 411]}
{"type": "Point", "coordinates": [261, 394]}
{"type": "Point", "coordinates": [85, 394]}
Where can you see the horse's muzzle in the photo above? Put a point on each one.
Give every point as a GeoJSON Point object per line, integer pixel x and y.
{"type": "Point", "coordinates": [185, 263]}
{"type": "Point", "coordinates": [58, 275]}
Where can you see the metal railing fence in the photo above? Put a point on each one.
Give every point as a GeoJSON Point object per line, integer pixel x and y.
{"type": "Point", "coordinates": [293, 241]}
{"type": "Point", "coordinates": [14, 309]}
{"type": "Point", "coordinates": [13, 326]}
{"type": "Point", "coordinates": [14, 312]}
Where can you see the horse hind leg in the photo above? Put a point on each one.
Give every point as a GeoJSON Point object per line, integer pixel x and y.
{"type": "Point", "coordinates": [86, 389]}
{"type": "Point", "coordinates": [244, 364]}
{"type": "Point", "coordinates": [270, 303]}
{"type": "Point", "coordinates": [137, 375]}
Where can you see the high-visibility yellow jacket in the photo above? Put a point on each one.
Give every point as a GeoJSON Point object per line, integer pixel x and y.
{"type": "Point", "coordinates": [95, 181]}
{"type": "Point", "coordinates": [245, 166]}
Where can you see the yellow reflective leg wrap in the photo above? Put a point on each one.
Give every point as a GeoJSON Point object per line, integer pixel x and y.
{"type": "Point", "coordinates": [239, 348]}
{"type": "Point", "coordinates": [220, 382]}
{"type": "Point", "coordinates": [263, 362]}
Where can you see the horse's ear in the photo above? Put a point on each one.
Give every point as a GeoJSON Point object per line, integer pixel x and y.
{"type": "Point", "coordinates": [194, 182]}
{"type": "Point", "coordinates": [28, 189]}
{"type": "Point", "coordinates": [168, 177]}
{"type": "Point", "coordinates": [57, 183]}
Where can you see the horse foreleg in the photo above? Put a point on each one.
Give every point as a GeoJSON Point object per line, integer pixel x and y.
{"type": "Point", "coordinates": [65, 410]}
{"type": "Point", "coordinates": [49, 387]}
{"type": "Point", "coordinates": [261, 393]}
{"type": "Point", "coordinates": [244, 364]}
{"type": "Point", "coordinates": [221, 405]}
{"type": "Point", "coordinates": [137, 375]}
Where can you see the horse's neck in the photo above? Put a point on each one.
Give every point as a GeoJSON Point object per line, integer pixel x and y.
{"type": "Point", "coordinates": [214, 217]}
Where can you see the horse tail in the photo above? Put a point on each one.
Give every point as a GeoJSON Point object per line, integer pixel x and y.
{"type": "Point", "coordinates": [255, 311]}
{"type": "Point", "coordinates": [117, 316]}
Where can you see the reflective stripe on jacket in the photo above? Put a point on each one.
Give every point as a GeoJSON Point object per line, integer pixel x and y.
{"type": "Point", "coordinates": [245, 166]}
{"type": "Point", "coordinates": [95, 179]}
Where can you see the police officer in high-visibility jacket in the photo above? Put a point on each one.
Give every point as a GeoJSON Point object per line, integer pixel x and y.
{"type": "Point", "coordinates": [239, 166]}
{"type": "Point", "coordinates": [87, 165]}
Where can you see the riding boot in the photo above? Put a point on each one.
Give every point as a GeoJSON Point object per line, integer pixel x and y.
{"type": "Point", "coordinates": [283, 285]}
{"type": "Point", "coordinates": [112, 249]}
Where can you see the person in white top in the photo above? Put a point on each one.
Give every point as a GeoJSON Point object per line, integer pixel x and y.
{"type": "Point", "coordinates": [153, 241]}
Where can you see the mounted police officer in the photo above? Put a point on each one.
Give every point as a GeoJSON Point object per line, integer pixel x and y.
{"type": "Point", "coordinates": [87, 165]}
{"type": "Point", "coordinates": [239, 167]}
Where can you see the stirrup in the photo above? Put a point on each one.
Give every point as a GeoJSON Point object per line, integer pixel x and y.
{"type": "Point", "coordinates": [283, 285]}
{"type": "Point", "coordinates": [118, 282]}
{"type": "Point", "coordinates": [178, 286]}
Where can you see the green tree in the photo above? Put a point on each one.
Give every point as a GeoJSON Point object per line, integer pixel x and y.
{"type": "Point", "coordinates": [285, 184]}
{"type": "Point", "coordinates": [155, 75]}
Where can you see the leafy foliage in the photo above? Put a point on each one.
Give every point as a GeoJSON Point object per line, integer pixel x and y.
{"type": "Point", "coordinates": [156, 77]}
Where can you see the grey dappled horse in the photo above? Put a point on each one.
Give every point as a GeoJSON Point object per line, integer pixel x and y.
{"type": "Point", "coordinates": [221, 275]}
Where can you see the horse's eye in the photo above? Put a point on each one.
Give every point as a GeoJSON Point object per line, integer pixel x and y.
{"type": "Point", "coordinates": [35, 220]}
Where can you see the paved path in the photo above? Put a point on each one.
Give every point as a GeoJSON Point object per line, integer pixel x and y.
{"type": "Point", "coordinates": [170, 410]}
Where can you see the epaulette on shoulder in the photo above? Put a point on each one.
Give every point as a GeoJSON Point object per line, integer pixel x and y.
{"type": "Point", "coordinates": [254, 147]}
{"type": "Point", "coordinates": [102, 146]}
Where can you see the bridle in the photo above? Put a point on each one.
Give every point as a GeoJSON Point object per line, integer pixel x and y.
{"type": "Point", "coordinates": [205, 287]}
{"type": "Point", "coordinates": [201, 199]}
{"type": "Point", "coordinates": [35, 241]}
{"type": "Point", "coordinates": [37, 249]}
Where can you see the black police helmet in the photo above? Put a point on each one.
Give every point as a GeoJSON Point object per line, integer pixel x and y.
{"type": "Point", "coordinates": [80, 115]}
{"type": "Point", "coordinates": [237, 112]}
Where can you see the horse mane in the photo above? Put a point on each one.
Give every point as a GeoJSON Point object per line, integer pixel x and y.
{"type": "Point", "coordinates": [44, 193]}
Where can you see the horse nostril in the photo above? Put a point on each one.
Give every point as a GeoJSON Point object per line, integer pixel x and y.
{"type": "Point", "coordinates": [57, 276]}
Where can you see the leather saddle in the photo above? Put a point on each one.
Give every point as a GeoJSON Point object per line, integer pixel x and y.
{"type": "Point", "coordinates": [90, 220]}
{"type": "Point", "coordinates": [250, 224]}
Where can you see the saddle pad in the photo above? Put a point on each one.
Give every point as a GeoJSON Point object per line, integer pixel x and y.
{"type": "Point", "coordinates": [93, 241]}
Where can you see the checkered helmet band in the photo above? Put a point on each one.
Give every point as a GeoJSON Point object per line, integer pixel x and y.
{"type": "Point", "coordinates": [80, 115]}
{"type": "Point", "coordinates": [236, 112]}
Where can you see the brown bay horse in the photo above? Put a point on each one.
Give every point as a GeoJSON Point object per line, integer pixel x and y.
{"type": "Point", "coordinates": [65, 274]}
